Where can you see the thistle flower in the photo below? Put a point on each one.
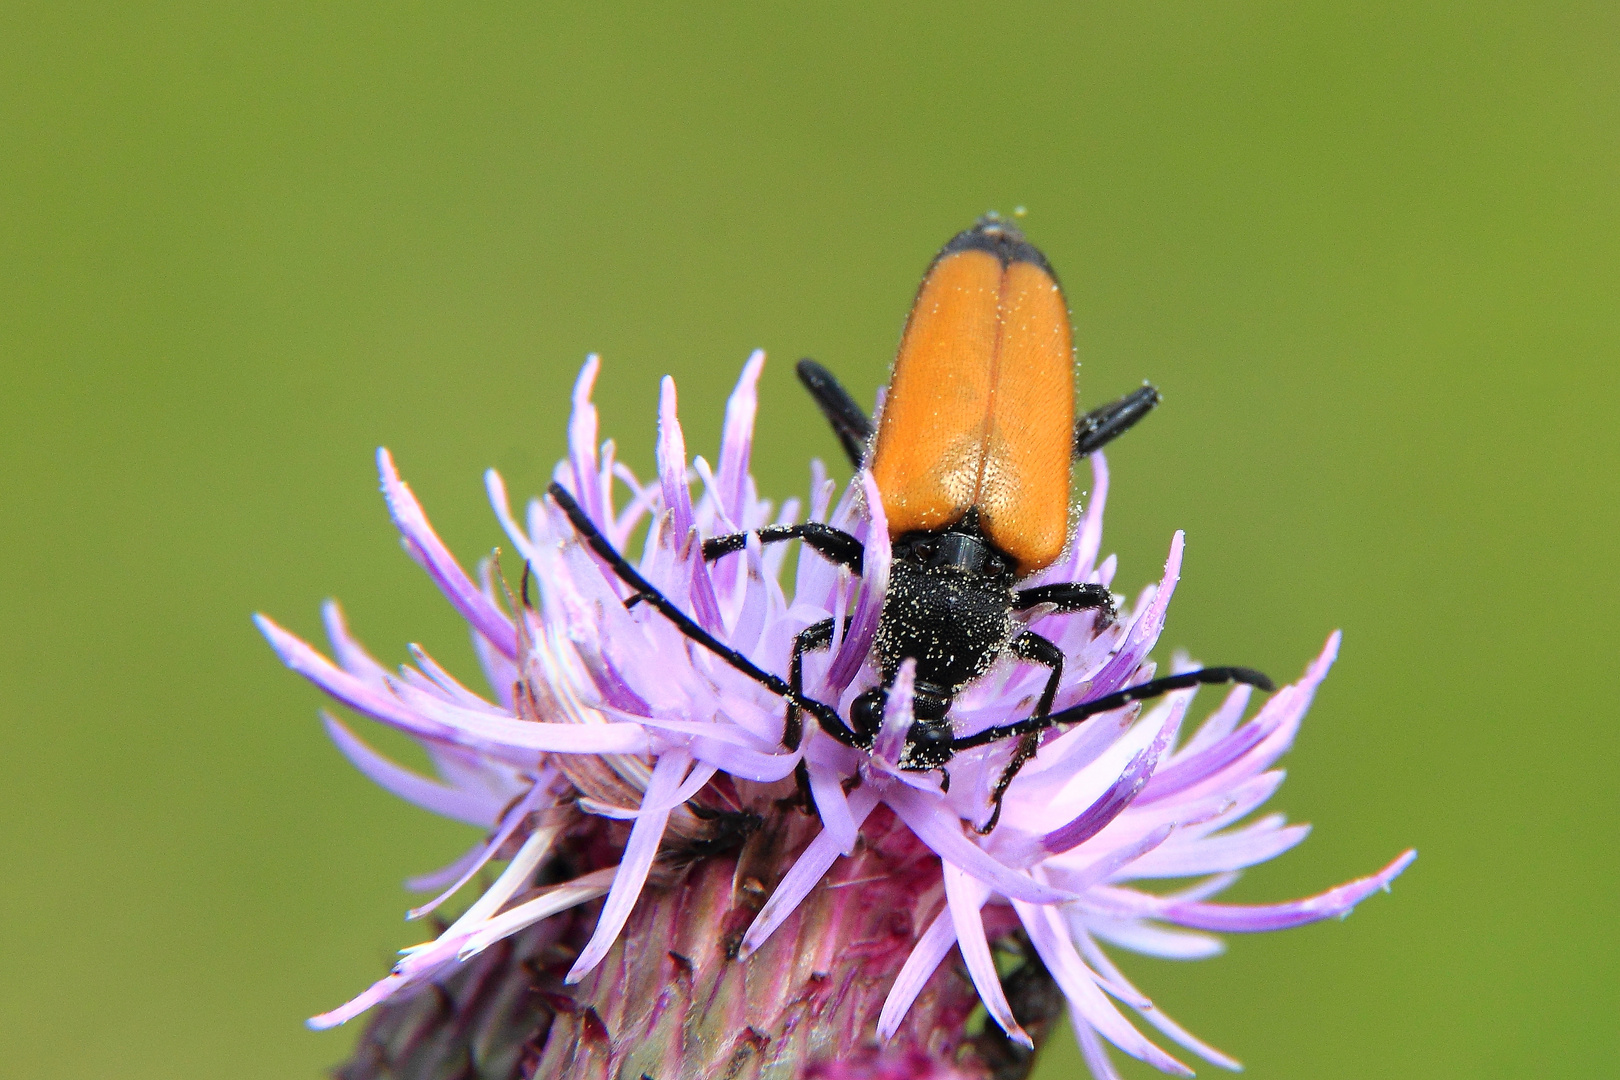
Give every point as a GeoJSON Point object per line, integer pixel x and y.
{"type": "Point", "coordinates": [673, 906]}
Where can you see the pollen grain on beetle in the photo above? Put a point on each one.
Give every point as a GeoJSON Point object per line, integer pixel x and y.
{"type": "Point", "coordinates": [688, 892]}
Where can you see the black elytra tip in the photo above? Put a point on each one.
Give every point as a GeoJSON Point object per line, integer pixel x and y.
{"type": "Point", "coordinates": [1005, 241]}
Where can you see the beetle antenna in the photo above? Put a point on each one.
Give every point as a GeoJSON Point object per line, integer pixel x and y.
{"type": "Point", "coordinates": [827, 716]}
{"type": "Point", "coordinates": [1118, 699]}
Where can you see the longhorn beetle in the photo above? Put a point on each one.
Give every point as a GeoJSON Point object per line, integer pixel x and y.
{"type": "Point", "coordinates": [971, 458]}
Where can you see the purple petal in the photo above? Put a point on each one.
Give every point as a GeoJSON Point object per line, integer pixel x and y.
{"type": "Point", "coordinates": [809, 869]}
{"type": "Point", "coordinates": [1144, 630]}
{"type": "Point", "coordinates": [705, 605]}
{"type": "Point", "coordinates": [639, 852]}
{"type": "Point", "coordinates": [447, 684]}
{"type": "Point", "coordinates": [351, 655]}
{"type": "Point", "coordinates": [1088, 539]}
{"type": "Point", "coordinates": [874, 586]}
{"type": "Point", "coordinates": [815, 578]}
{"type": "Point", "coordinates": [700, 775]}
{"type": "Point", "coordinates": [1051, 941]}
{"type": "Point", "coordinates": [429, 551]}
{"type": "Point", "coordinates": [1112, 861]}
{"type": "Point", "coordinates": [897, 713]}
{"type": "Point", "coordinates": [1092, 1049]}
{"type": "Point", "coordinates": [1201, 816]}
{"type": "Point", "coordinates": [379, 991]}
{"type": "Point", "coordinates": [1285, 709]}
{"type": "Point", "coordinates": [737, 438]}
{"type": "Point", "coordinates": [755, 603]}
{"type": "Point", "coordinates": [827, 788]}
{"type": "Point", "coordinates": [1257, 918]}
{"type": "Point", "coordinates": [964, 896]}
{"type": "Point", "coordinates": [451, 723]}
{"type": "Point", "coordinates": [1217, 854]}
{"type": "Point", "coordinates": [1201, 766]}
{"type": "Point", "coordinates": [587, 486]}
{"type": "Point", "coordinates": [1109, 970]}
{"type": "Point", "coordinates": [1120, 794]}
{"type": "Point", "coordinates": [518, 875]}
{"type": "Point", "coordinates": [719, 519]}
{"type": "Point", "coordinates": [434, 880]}
{"type": "Point", "coordinates": [1061, 759]}
{"type": "Point", "coordinates": [742, 762]}
{"type": "Point", "coordinates": [513, 818]}
{"type": "Point", "coordinates": [938, 826]}
{"type": "Point", "coordinates": [1151, 940]}
{"type": "Point", "coordinates": [671, 456]}
{"type": "Point", "coordinates": [1219, 723]}
{"type": "Point", "coordinates": [558, 898]}
{"type": "Point", "coordinates": [411, 786]}
{"type": "Point", "coordinates": [920, 965]}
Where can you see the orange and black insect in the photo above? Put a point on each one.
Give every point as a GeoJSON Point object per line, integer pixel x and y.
{"type": "Point", "coordinates": [971, 456]}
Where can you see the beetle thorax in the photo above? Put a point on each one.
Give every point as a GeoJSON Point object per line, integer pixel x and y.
{"type": "Point", "coordinates": [948, 607]}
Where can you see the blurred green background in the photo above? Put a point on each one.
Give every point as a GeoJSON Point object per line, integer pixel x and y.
{"type": "Point", "coordinates": [1368, 252]}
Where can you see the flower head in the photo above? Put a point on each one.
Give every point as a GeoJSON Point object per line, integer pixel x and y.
{"type": "Point", "coordinates": [795, 900]}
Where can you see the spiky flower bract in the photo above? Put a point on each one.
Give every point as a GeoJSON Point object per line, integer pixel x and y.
{"type": "Point", "coordinates": [672, 906]}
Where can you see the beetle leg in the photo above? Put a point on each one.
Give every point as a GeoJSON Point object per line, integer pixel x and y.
{"type": "Point", "coordinates": [1027, 745]}
{"type": "Point", "coordinates": [1068, 597]}
{"type": "Point", "coordinates": [1104, 424]}
{"type": "Point", "coordinates": [849, 421]}
{"type": "Point", "coordinates": [817, 635]}
{"type": "Point", "coordinates": [1038, 650]}
{"type": "Point", "coordinates": [836, 545]}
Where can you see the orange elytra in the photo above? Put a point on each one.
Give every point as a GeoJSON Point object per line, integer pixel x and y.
{"type": "Point", "coordinates": [979, 415]}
